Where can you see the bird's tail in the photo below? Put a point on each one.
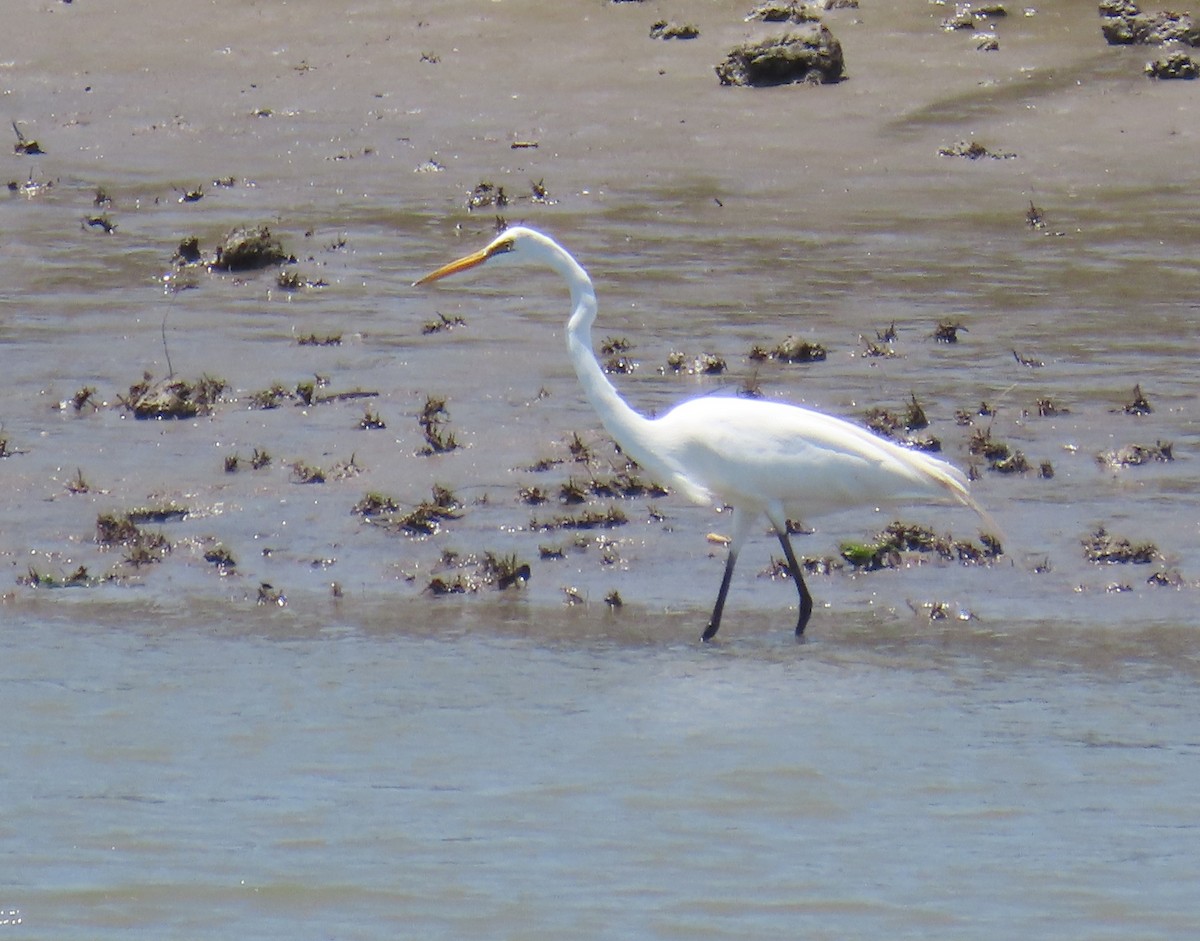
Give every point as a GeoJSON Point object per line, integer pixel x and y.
{"type": "Point", "coordinates": [955, 483]}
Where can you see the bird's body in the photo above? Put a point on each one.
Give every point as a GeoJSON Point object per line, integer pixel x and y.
{"type": "Point", "coordinates": [762, 458]}
{"type": "Point", "coordinates": [759, 454]}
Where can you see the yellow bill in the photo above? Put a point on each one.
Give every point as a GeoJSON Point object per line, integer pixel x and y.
{"type": "Point", "coordinates": [463, 264]}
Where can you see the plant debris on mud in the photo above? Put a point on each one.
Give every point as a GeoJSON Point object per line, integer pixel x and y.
{"type": "Point", "coordinates": [486, 194]}
{"type": "Point", "coordinates": [588, 519]}
{"type": "Point", "coordinates": [442, 323]}
{"type": "Point", "coordinates": [424, 519]}
{"type": "Point", "coordinates": [889, 424]}
{"type": "Point", "coordinates": [706, 364]}
{"type": "Point", "coordinates": [947, 331]}
{"type": "Point", "coordinates": [790, 11]}
{"type": "Point", "coordinates": [433, 421]}
{"type": "Point", "coordinates": [471, 574]}
{"type": "Point", "coordinates": [1123, 23]}
{"type": "Point", "coordinates": [1102, 546]}
{"type": "Point", "coordinates": [1172, 65]}
{"type": "Point", "coordinates": [1134, 454]}
{"type": "Point", "coordinates": [25, 145]}
{"type": "Point", "coordinates": [77, 579]}
{"type": "Point", "coordinates": [973, 150]}
{"type": "Point", "coordinates": [791, 350]}
{"type": "Point", "coordinates": [172, 398]}
{"type": "Point", "coordinates": [665, 30]}
{"type": "Point", "coordinates": [1001, 458]}
{"type": "Point", "coordinates": [305, 473]}
{"type": "Point", "coordinates": [120, 529]}
{"type": "Point", "coordinates": [1138, 404]}
{"type": "Point", "coordinates": [888, 548]}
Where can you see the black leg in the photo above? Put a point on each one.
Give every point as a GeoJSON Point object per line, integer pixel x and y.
{"type": "Point", "coordinates": [715, 621]}
{"type": "Point", "coordinates": [806, 602]}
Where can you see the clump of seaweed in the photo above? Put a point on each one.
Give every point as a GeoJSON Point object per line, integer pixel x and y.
{"type": "Point", "coordinates": [1138, 404]}
{"type": "Point", "coordinates": [30, 188]}
{"type": "Point", "coordinates": [141, 547]}
{"type": "Point", "coordinates": [78, 484]}
{"type": "Point", "coordinates": [80, 578]}
{"type": "Point", "coordinates": [879, 347]}
{"type": "Point", "coordinates": [1122, 22]}
{"type": "Point", "coordinates": [788, 11]}
{"type": "Point", "coordinates": [84, 397]}
{"type": "Point", "coordinates": [791, 350]}
{"type": "Point", "coordinates": [537, 189]}
{"type": "Point", "coordinates": [504, 571]}
{"type": "Point", "coordinates": [486, 194]}
{"type": "Point", "coordinates": [371, 421]}
{"type": "Point", "coordinates": [295, 281]}
{"type": "Point", "coordinates": [375, 505]}
{"type": "Point", "coordinates": [1173, 65]}
{"type": "Point", "coordinates": [626, 485]}
{"type": "Point", "coordinates": [271, 397]}
{"type": "Point", "coordinates": [442, 323]}
{"type": "Point", "coordinates": [947, 331]}
{"type": "Point", "coordinates": [899, 428]}
{"type": "Point", "coordinates": [305, 473]}
{"type": "Point", "coordinates": [172, 398]}
{"type": "Point", "coordinates": [314, 339]}
{"type": "Point", "coordinates": [1047, 408]}
{"type": "Point", "coordinates": [1001, 458]}
{"type": "Point", "coordinates": [588, 519]}
{"type": "Point", "coordinates": [25, 145]}
{"type": "Point", "coordinates": [973, 150]}
{"type": "Point", "coordinates": [433, 421]}
{"type": "Point", "coordinates": [158, 513]}
{"type": "Point", "coordinates": [1102, 547]}
{"type": "Point", "coordinates": [706, 364]}
{"type": "Point", "coordinates": [471, 573]}
{"type": "Point", "coordinates": [888, 548]}
{"type": "Point", "coordinates": [534, 496]}
{"type": "Point", "coordinates": [101, 222]}
{"type": "Point", "coordinates": [220, 556]}
{"type": "Point", "coordinates": [1132, 455]}
{"type": "Point", "coordinates": [305, 393]}
{"type": "Point", "coordinates": [424, 519]}
{"type": "Point", "coordinates": [270, 596]}
{"type": "Point", "coordinates": [581, 452]}
{"type": "Point", "coordinates": [665, 30]}
{"type": "Point", "coordinates": [613, 349]}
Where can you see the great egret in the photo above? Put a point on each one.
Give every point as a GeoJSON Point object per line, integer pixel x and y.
{"type": "Point", "coordinates": [759, 457]}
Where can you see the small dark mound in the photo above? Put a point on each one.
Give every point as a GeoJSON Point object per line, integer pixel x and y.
{"type": "Point", "coordinates": [811, 56]}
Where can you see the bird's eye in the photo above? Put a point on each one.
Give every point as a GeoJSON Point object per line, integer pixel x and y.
{"type": "Point", "coordinates": [501, 247]}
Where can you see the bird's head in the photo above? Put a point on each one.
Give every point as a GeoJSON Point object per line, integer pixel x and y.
{"type": "Point", "coordinates": [515, 244]}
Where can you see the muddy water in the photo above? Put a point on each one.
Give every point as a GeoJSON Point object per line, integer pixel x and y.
{"type": "Point", "coordinates": [371, 759]}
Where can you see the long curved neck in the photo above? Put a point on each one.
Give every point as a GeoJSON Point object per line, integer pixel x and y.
{"type": "Point", "coordinates": [630, 429]}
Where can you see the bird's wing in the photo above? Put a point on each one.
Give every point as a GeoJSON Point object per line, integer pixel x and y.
{"type": "Point", "coordinates": [769, 452]}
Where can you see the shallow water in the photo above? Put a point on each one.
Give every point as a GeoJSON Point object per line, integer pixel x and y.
{"type": "Point", "coordinates": [181, 758]}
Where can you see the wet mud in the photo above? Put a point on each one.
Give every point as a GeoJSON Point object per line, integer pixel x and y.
{"type": "Point", "coordinates": [248, 346]}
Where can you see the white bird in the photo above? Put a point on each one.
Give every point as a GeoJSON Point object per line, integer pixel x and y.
{"type": "Point", "coordinates": [761, 458]}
